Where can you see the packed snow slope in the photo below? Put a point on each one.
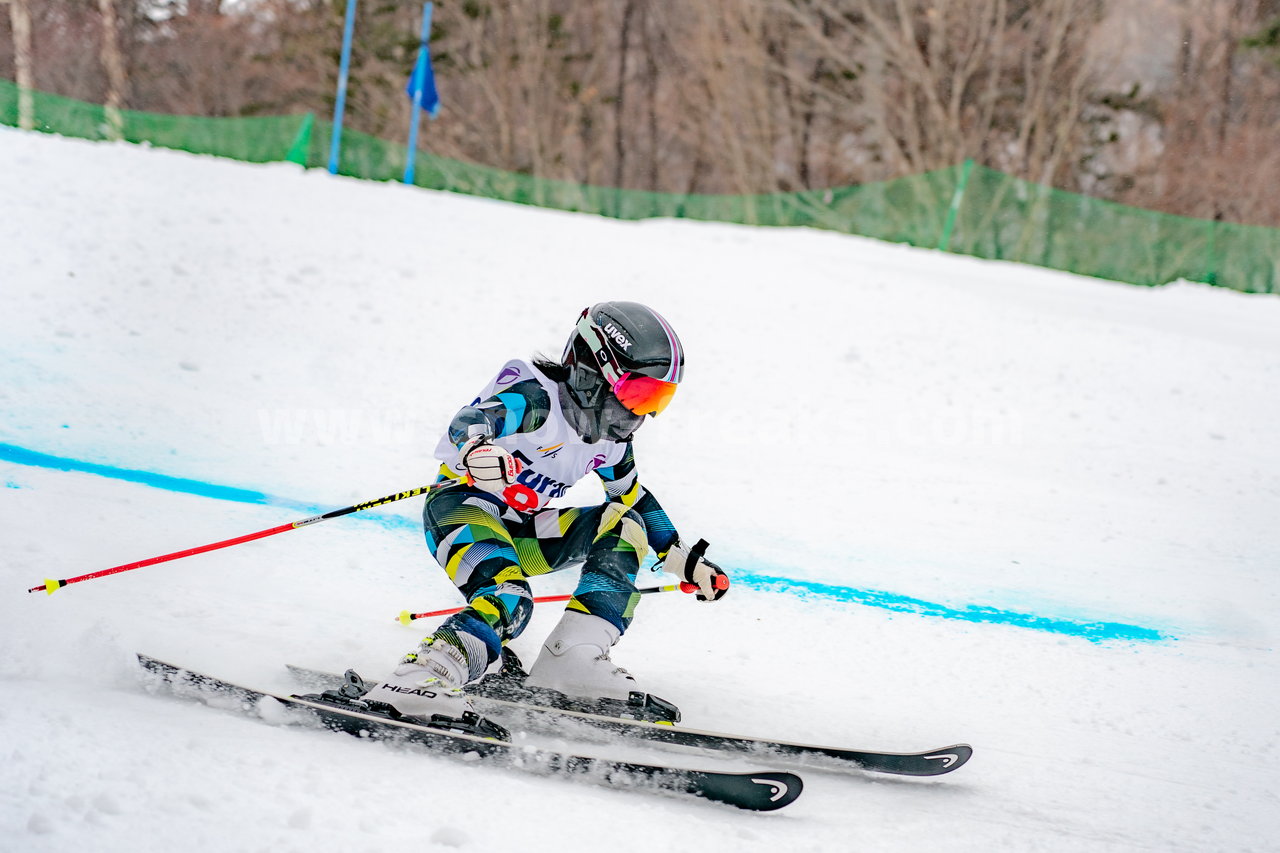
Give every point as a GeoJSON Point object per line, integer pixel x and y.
{"type": "Point", "coordinates": [961, 501]}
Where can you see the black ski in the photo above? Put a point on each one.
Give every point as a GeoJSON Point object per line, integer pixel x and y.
{"type": "Point", "coordinates": [932, 762]}
{"type": "Point", "coordinates": [759, 791]}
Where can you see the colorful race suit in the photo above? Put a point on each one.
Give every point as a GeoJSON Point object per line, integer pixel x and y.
{"type": "Point", "coordinates": [490, 545]}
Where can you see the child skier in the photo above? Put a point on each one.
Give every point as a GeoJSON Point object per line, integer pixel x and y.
{"type": "Point", "coordinates": [535, 430]}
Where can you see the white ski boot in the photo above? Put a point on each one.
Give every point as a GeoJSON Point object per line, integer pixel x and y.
{"type": "Point", "coordinates": [427, 682]}
{"type": "Point", "coordinates": [575, 660]}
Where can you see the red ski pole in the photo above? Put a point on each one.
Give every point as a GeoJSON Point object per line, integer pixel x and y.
{"type": "Point", "coordinates": [407, 618]}
{"type": "Point", "coordinates": [51, 586]}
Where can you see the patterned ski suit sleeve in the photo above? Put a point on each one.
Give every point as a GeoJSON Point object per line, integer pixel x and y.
{"type": "Point", "coordinates": [523, 407]}
{"type": "Point", "coordinates": [621, 484]}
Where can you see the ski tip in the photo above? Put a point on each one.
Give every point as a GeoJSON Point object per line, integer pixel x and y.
{"type": "Point", "coordinates": [406, 617]}
{"type": "Point", "coordinates": [786, 788]}
{"type": "Point", "coordinates": [762, 792]}
{"type": "Point", "coordinates": [948, 758]}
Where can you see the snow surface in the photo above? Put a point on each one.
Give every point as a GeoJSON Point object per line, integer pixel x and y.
{"type": "Point", "coordinates": [892, 429]}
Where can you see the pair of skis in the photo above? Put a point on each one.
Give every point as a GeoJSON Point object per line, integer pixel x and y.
{"type": "Point", "coordinates": [758, 791]}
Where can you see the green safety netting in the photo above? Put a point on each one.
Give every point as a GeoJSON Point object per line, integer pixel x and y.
{"type": "Point", "coordinates": [967, 208]}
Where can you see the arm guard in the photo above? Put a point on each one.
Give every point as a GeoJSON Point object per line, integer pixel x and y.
{"type": "Point", "coordinates": [621, 484]}
{"type": "Point", "coordinates": [523, 407]}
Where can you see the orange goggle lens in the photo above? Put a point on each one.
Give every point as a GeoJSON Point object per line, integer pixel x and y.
{"type": "Point", "coordinates": [644, 395]}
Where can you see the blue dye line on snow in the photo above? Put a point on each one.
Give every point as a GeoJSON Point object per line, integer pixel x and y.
{"type": "Point", "coordinates": [1094, 631]}
{"type": "Point", "coordinates": [23, 456]}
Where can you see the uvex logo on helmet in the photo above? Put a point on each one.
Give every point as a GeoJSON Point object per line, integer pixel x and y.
{"type": "Point", "coordinates": [618, 337]}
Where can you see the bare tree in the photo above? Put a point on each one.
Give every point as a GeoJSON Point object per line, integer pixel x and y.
{"type": "Point", "coordinates": [1219, 159]}
{"type": "Point", "coordinates": [56, 59]}
{"type": "Point", "coordinates": [1000, 81]}
{"type": "Point", "coordinates": [113, 62]}
{"type": "Point", "coordinates": [20, 21]}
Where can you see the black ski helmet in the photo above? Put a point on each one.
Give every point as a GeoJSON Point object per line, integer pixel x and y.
{"type": "Point", "coordinates": [629, 348]}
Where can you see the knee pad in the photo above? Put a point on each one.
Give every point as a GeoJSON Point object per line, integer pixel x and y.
{"type": "Point", "coordinates": [506, 608]}
{"type": "Point", "coordinates": [520, 613]}
{"type": "Point", "coordinates": [629, 526]}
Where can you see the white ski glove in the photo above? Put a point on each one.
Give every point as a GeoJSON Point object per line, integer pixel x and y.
{"type": "Point", "coordinates": [699, 574]}
{"type": "Point", "coordinates": [488, 466]}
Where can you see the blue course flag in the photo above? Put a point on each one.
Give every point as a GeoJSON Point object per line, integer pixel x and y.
{"type": "Point", "coordinates": [422, 84]}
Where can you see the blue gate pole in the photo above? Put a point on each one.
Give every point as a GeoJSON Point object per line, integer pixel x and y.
{"type": "Point", "coordinates": [340, 104]}
{"type": "Point", "coordinates": [417, 96]}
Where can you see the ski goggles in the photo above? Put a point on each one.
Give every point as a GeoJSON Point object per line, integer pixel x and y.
{"type": "Point", "coordinates": [643, 395]}
{"type": "Point", "coordinates": [640, 394]}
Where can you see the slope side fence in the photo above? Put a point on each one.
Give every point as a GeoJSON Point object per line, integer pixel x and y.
{"type": "Point", "coordinates": [968, 209]}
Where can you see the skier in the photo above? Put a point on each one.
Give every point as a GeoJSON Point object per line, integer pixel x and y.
{"type": "Point", "coordinates": [534, 431]}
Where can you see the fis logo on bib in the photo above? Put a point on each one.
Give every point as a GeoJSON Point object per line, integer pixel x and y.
{"type": "Point", "coordinates": [550, 452]}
